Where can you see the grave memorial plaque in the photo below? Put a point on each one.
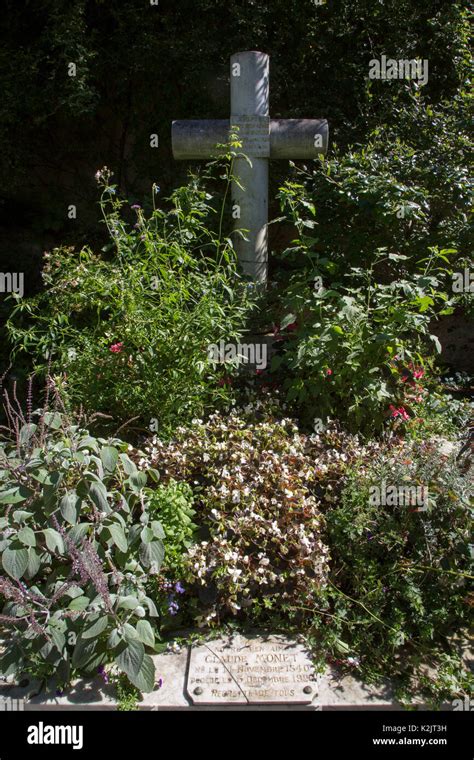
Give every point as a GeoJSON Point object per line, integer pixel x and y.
{"type": "Point", "coordinates": [241, 670]}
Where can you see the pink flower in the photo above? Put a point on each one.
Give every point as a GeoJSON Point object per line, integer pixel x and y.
{"type": "Point", "coordinates": [329, 372]}
{"type": "Point", "coordinates": [418, 373]}
{"type": "Point", "coordinates": [399, 412]}
{"type": "Point", "coordinates": [116, 348]}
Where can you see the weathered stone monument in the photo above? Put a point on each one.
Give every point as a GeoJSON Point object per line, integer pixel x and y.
{"type": "Point", "coordinates": [262, 139]}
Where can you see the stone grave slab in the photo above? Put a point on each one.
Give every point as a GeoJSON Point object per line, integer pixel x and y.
{"type": "Point", "coordinates": [251, 670]}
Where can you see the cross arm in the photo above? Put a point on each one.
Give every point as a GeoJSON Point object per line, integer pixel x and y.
{"type": "Point", "coordinates": [192, 140]}
{"type": "Point", "coordinates": [289, 138]}
{"type": "Point", "coordinates": [298, 138]}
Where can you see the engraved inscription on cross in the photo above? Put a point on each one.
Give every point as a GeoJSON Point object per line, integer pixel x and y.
{"type": "Point", "coordinates": [262, 139]}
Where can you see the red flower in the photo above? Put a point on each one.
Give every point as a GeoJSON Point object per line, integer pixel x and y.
{"type": "Point", "coordinates": [329, 372]}
{"type": "Point", "coordinates": [399, 412]}
{"type": "Point", "coordinates": [116, 348]}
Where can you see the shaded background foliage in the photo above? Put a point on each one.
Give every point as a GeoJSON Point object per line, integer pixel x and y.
{"type": "Point", "coordinates": [139, 66]}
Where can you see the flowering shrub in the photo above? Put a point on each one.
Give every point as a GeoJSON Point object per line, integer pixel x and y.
{"type": "Point", "coordinates": [78, 548]}
{"type": "Point", "coordinates": [400, 572]}
{"type": "Point", "coordinates": [289, 535]}
{"type": "Point", "coordinates": [126, 331]}
{"type": "Point", "coordinates": [263, 555]}
{"type": "Point", "coordinates": [353, 343]}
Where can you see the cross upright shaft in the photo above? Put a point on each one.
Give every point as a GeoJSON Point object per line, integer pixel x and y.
{"type": "Point", "coordinates": [262, 138]}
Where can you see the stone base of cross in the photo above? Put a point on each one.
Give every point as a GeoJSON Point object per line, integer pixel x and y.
{"type": "Point", "coordinates": [262, 139]}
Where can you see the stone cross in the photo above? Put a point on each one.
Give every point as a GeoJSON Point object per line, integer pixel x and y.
{"type": "Point", "coordinates": [262, 139]}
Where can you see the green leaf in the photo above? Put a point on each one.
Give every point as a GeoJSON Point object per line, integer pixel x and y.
{"type": "Point", "coordinates": [109, 456]}
{"type": "Point", "coordinates": [34, 563]}
{"type": "Point", "coordinates": [154, 474]}
{"type": "Point", "coordinates": [129, 466]}
{"type": "Point", "coordinates": [118, 537]}
{"type": "Point", "coordinates": [130, 659]}
{"type": "Point", "coordinates": [98, 494]}
{"type": "Point", "coordinates": [147, 535]}
{"type": "Point", "coordinates": [58, 637]}
{"type": "Point", "coordinates": [96, 628]}
{"type": "Point", "coordinates": [129, 633]}
{"type": "Point", "coordinates": [27, 537]}
{"type": "Point", "coordinates": [152, 554]}
{"type": "Point", "coordinates": [114, 639]}
{"type": "Point", "coordinates": [69, 507]}
{"type": "Point", "coordinates": [288, 320]}
{"type": "Point", "coordinates": [128, 602]}
{"type": "Point", "coordinates": [79, 604]}
{"type": "Point", "coordinates": [54, 540]}
{"type": "Point", "coordinates": [15, 495]}
{"type": "Point", "coordinates": [157, 529]}
{"type": "Point", "coordinates": [26, 432]}
{"type": "Point", "coordinates": [53, 420]}
{"type": "Point", "coordinates": [78, 532]}
{"type": "Point", "coordinates": [137, 481]}
{"type": "Point", "coordinates": [145, 678]}
{"type": "Point", "coordinates": [15, 562]}
{"type": "Point", "coordinates": [145, 633]}
{"type": "Point", "coordinates": [85, 655]}
{"type": "Point", "coordinates": [342, 647]}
